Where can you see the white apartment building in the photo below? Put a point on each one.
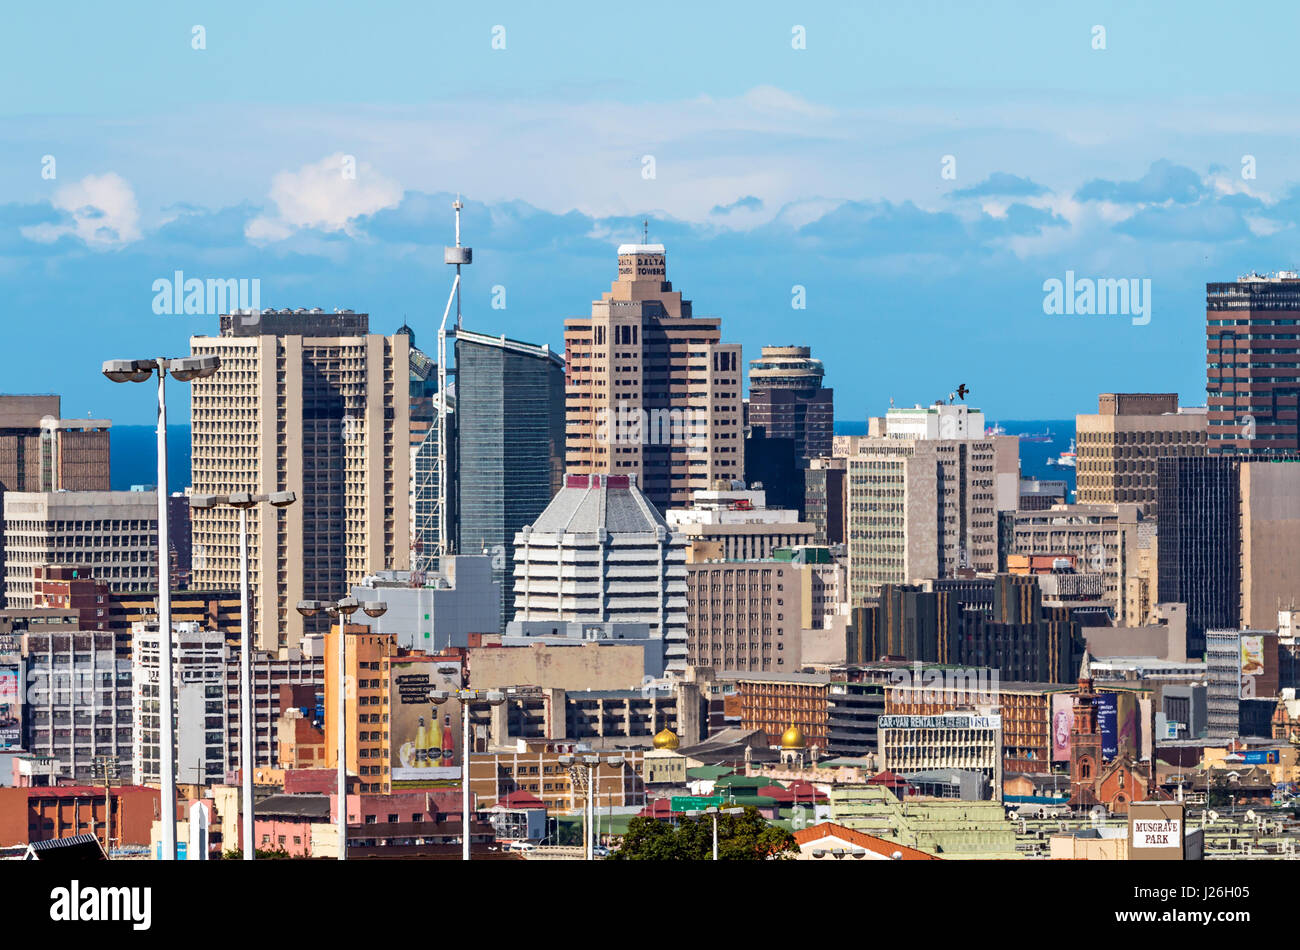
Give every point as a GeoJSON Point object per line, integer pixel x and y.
{"type": "Point", "coordinates": [736, 524]}
{"type": "Point", "coordinates": [113, 533]}
{"type": "Point", "coordinates": [601, 552]}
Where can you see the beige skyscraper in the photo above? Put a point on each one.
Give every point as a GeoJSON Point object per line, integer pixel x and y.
{"type": "Point", "coordinates": [651, 389]}
{"type": "Point", "coordinates": [1119, 445]}
{"type": "Point", "coordinates": [312, 403]}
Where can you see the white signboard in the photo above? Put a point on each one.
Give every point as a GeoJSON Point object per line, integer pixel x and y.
{"type": "Point", "coordinates": [1158, 833]}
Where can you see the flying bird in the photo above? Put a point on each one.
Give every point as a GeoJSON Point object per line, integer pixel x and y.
{"type": "Point", "coordinates": [962, 390]}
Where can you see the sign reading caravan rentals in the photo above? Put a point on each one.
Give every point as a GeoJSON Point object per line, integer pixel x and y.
{"type": "Point", "coordinates": [1156, 831]}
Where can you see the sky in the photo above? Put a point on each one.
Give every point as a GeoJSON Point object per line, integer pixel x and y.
{"type": "Point", "coordinates": [894, 185]}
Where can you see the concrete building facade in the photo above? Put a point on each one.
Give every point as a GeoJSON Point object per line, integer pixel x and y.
{"type": "Point", "coordinates": [652, 390]}
{"type": "Point", "coordinates": [315, 404]}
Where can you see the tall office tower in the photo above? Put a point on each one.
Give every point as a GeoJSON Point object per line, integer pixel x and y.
{"type": "Point", "coordinates": [824, 499]}
{"type": "Point", "coordinates": [40, 452]}
{"type": "Point", "coordinates": [509, 445]}
{"type": "Point", "coordinates": [1252, 369]}
{"type": "Point", "coordinates": [1198, 543]}
{"type": "Point", "coordinates": [315, 404]}
{"type": "Point", "coordinates": [1118, 447]}
{"type": "Point", "coordinates": [786, 398]}
{"type": "Point", "coordinates": [112, 534]}
{"type": "Point", "coordinates": [923, 499]}
{"type": "Point", "coordinates": [652, 391]}
{"type": "Point", "coordinates": [601, 552]}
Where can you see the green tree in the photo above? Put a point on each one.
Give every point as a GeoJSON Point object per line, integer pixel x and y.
{"type": "Point", "coordinates": [745, 837]}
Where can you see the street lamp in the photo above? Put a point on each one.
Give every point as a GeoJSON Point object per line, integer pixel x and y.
{"type": "Point", "coordinates": [715, 811]}
{"type": "Point", "coordinates": [185, 369]}
{"type": "Point", "coordinates": [342, 610]}
{"type": "Point", "coordinates": [243, 501]}
{"type": "Point", "coordinates": [591, 760]}
{"type": "Point", "coordinates": [493, 697]}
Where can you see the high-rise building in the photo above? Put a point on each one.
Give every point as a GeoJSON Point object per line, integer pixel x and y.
{"type": "Point", "coordinates": [112, 534]}
{"type": "Point", "coordinates": [1198, 543]}
{"type": "Point", "coordinates": [825, 499]}
{"type": "Point", "coordinates": [923, 499]}
{"type": "Point", "coordinates": [601, 552]}
{"type": "Point", "coordinates": [78, 703]}
{"type": "Point", "coordinates": [651, 390]}
{"type": "Point", "coordinates": [1252, 377]}
{"type": "Point", "coordinates": [509, 445]}
{"type": "Point", "coordinates": [787, 399]}
{"type": "Point", "coordinates": [427, 404]}
{"type": "Point", "coordinates": [1097, 539]}
{"type": "Point", "coordinates": [744, 615]}
{"type": "Point", "coordinates": [39, 452]}
{"type": "Point", "coordinates": [312, 403]}
{"type": "Point", "coordinates": [1117, 448]}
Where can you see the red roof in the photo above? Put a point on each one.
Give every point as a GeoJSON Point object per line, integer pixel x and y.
{"type": "Point", "coordinates": [888, 779]}
{"type": "Point", "coordinates": [806, 792]}
{"type": "Point", "coordinates": [520, 798]}
{"type": "Point", "coordinates": [871, 843]}
{"type": "Point", "coordinates": [659, 808]}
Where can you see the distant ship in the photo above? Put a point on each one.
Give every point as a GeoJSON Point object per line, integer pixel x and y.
{"type": "Point", "coordinates": [1067, 459]}
{"type": "Point", "coordinates": [1036, 436]}
{"type": "Point", "coordinates": [996, 429]}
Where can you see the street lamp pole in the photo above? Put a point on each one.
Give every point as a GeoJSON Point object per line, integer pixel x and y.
{"type": "Point", "coordinates": [243, 501]}
{"type": "Point", "coordinates": [185, 369]}
{"type": "Point", "coordinates": [493, 697]}
{"type": "Point", "coordinates": [342, 610]}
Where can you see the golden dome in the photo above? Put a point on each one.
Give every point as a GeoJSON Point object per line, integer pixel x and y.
{"type": "Point", "coordinates": [792, 738]}
{"type": "Point", "coordinates": [666, 740]}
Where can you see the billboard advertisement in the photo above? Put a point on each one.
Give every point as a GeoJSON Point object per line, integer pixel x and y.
{"type": "Point", "coordinates": [1252, 665]}
{"type": "Point", "coordinates": [1107, 705]}
{"type": "Point", "coordinates": [425, 736]}
{"type": "Point", "coordinates": [1062, 724]}
{"type": "Point", "coordinates": [1126, 725]}
{"type": "Point", "coordinates": [1262, 757]}
{"type": "Point", "coordinates": [11, 714]}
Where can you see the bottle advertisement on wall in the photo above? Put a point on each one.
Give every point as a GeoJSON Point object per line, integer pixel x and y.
{"type": "Point", "coordinates": [425, 736]}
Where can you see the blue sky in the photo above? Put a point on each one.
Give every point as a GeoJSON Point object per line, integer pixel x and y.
{"type": "Point", "coordinates": [821, 167]}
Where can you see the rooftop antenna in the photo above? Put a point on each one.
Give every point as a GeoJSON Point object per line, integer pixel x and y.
{"type": "Point", "coordinates": [458, 255]}
{"type": "Point", "coordinates": [645, 230]}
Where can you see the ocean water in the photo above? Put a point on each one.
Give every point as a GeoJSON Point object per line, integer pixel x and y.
{"type": "Point", "coordinates": [133, 452]}
{"type": "Point", "coordinates": [1033, 455]}
{"type": "Point", "coordinates": [135, 457]}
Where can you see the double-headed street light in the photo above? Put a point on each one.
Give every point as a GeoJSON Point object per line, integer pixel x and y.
{"type": "Point", "coordinates": [342, 610]}
{"type": "Point", "coordinates": [186, 369]}
{"type": "Point", "coordinates": [591, 760]}
{"type": "Point", "coordinates": [493, 697]}
{"type": "Point", "coordinates": [243, 501]}
{"type": "Point", "coordinates": [715, 811]}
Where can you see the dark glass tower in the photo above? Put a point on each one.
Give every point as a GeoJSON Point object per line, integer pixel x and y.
{"type": "Point", "coordinates": [509, 445]}
{"type": "Point", "coordinates": [1199, 542]}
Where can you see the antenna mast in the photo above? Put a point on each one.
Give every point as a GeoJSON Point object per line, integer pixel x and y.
{"type": "Point", "coordinates": [458, 255]}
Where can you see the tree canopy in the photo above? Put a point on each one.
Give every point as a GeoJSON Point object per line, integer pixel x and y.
{"type": "Point", "coordinates": [746, 837]}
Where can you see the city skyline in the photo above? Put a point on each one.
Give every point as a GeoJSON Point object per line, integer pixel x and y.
{"type": "Point", "coordinates": [909, 205]}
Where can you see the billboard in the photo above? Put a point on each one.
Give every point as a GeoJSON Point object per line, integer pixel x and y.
{"type": "Point", "coordinates": [425, 738]}
{"type": "Point", "coordinates": [11, 710]}
{"type": "Point", "coordinates": [1062, 724]}
{"type": "Point", "coordinates": [1262, 757]}
{"type": "Point", "coordinates": [1252, 665]}
{"type": "Point", "coordinates": [1126, 725]}
{"type": "Point", "coordinates": [1107, 705]}
{"type": "Point", "coordinates": [1156, 831]}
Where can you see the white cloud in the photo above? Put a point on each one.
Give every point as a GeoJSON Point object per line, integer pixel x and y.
{"type": "Point", "coordinates": [329, 195]}
{"type": "Point", "coordinates": [104, 213]}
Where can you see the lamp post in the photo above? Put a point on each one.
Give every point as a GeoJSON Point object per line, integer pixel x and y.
{"type": "Point", "coordinates": [493, 697]}
{"type": "Point", "coordinates": [715, 811]}
{"type": "Point", "coordinates": [342, 610]}
{"type": "Point", "coordinates": [591, 760]}
{"type": "Point", "coordinates": [243, 501]}
{"type": "Point", "coordinates": [185, 369]}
